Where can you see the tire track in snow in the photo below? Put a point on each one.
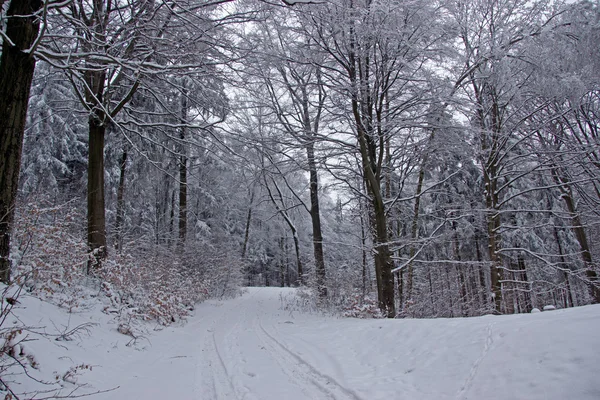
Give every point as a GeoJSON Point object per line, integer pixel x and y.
{"type": "Point", "coordinates": [230, 347]}
{"type": "Point", "coordinates": [213, 370]}
{"type": "Point", "coordinates": [300, 370]}
{"type": "Point", "coordinates": [214, 375]}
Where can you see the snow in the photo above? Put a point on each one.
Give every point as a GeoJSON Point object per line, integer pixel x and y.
{"type": "Point", "coordinates": [252, 348]}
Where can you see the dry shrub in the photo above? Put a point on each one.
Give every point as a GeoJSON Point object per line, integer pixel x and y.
{"type": "Point", "coordinates": [153, 288]}
{"type": "Point", "coordinates": [359, 306]}
{"type": "Point", "coordinates": [50, 253]}
{"type": "Point", "coordinates": [148, 282]}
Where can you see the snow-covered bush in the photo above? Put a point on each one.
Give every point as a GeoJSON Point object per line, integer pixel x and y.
{"type": "Point", "coordinates": [360, 306]}
{"type": "Point", "coordinates": [148, 282]}
{"type": "Point", "coordinates": [50, 254]}
{"type": "Point", "coordinates": [154, 288]}
{"type": "Point", "coordinates": [302, 300]}
{"type": "Point", "coordinates": [221, 272]}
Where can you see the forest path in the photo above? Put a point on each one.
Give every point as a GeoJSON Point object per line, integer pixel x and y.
{"type": "Point", "coordinates": [253, 347]}
{"type": "Point", "coordinates": [242, 356]}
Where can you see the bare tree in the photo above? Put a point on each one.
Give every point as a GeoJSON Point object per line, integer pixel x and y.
{"type": "Point", "coordinates": [296, 95]}
{"type": "Point", "coordinates": [373, 61]}
{"type": "Point", "coordinates": [17, 66]}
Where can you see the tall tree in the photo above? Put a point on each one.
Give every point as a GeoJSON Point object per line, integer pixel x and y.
{"type": "Point", "coordinates": [183, 171]}
{"type": "Point", "coordinates": [296, 95]}
{"type": "Point", "coordinates": [494, 34]}
{"type": "Point", "coordinates": [17, 66]}
{"type": "Point", "coordinates": [375, 54]}
{"type": "Point", "coordinates": [124, 48]}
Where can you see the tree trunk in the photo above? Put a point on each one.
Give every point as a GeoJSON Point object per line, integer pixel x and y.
{"type": "Point", "coordinates": [362, 111]}
{"type": "Point", "coordinates": [158, 215]}
{"type": "Point", "coordinates": [490, 178]}
{"type": "Point", "coordinates": [247, 230]}
{"type": "Point", "coordinates": [316, 222]}
{"type": "Point", "coordinates": [16, 74]}
{"type": "Point", "coordinates": [171, 237]}
{"type": "Point", "coordinates": [383, 262]}
{"type": "Point", "coordinates": [493, 224]}
{"type": "Point", "coordinates": [580, 234]}
{"type": "Point", "coordinates": [464, 300]}
{"type": "Point", "coordinates": [298, 260]}
{"type": "Point", "coordinates": [93, 19]}
{"type": "Point", "coordinates": [96, 229]}
{"type": "Point", "coordinates": [528, 304]}
{"type": "Point", "coordinates": [267, 277]}
{"type": "Point", "coordinates": [183, 176]}
{"type": "Point", "coordinates": [120, 203]}
{"type": "Point", "coordinates": [414, 231]}
{"type": "Point", "coordinates": [182, 200]}
{"type": "Point", "coordinates": [363, 242]}
{"type": "Point", "coordinates": [286, 218]}
{"type": "Point", "coordinates": [383, 256]}
{"type": "Point", "coordinates": [563, 262]}
{"type": "Point", "coordinates": [95, 195]}
{"type": "Point", "coordinates": [483, 297]}
{"type": "Point", "coordinates": [287, 262]}
{"type": "Point", "coordinates": [490, 139]}
{"type": "Point", "coordinates": [281, 263]}
{"type": "Point", "coordinates": [586, 254]}
{"type": "Point", "coordinates": [400, 287]}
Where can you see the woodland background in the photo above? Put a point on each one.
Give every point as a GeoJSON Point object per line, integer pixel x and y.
{"type": "Point", "coordinates": [399, 158]}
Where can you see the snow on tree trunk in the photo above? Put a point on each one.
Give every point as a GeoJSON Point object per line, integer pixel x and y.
{"type": "Point", "coordinates": [17, 66]}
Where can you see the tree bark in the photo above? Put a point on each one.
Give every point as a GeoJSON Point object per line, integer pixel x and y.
{"type": "Point", "coordinates": [183, 176]}
{"type": "Point", "coordinates": [563, 262]}
{"type": "Point", "coordinates": [383, 256]}
{"type": "Point", "coordinates": [493, 224]}
{"type": "Point", "coordinates": [299, 266]}
{"type": "Point", "coordinates": [182, 200]}
{"type": "Point", "coordinates": [96, 218]}
{"type": "Point", "coordinates": [483, 297]}
{"type": "Point", "coordinates": [247, 230]}
{"type": "Point", "coordinates": [287, 262]}
{"type": "Point", "coordinates": [315, 215]}
{"type": "Point", "coordinates": [464, 300]}
{"type": "Point", "coordinates": [281, 263]}
{"type": "Point", "coordinates": [95, 197]}
{"type": "Point", "coordinates": [363, 242]}
{"type": "Point", "coordinates": [120, 203]}
{"type": "Point", "coordinates": [16, 74]}
{"type": "Point", "coordinates": [580, 235]}
{"type": "Point", "coordinates": [371, 170]}
{"type": "Point", "coordinates": [490, 142]}
{"type": "Point", "coordinates": [171, 237]}
{"type": "Point", "coordinates": [414, 232]}
{"type": "Point", "coordinates": [528, 304]}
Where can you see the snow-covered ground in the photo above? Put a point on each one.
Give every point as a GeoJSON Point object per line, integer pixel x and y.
{"type": "Point", "coordinates": [251, 348]}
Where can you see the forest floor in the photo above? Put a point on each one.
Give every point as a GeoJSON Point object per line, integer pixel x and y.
{"type": "Point", "coordinates": [260, 346]}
